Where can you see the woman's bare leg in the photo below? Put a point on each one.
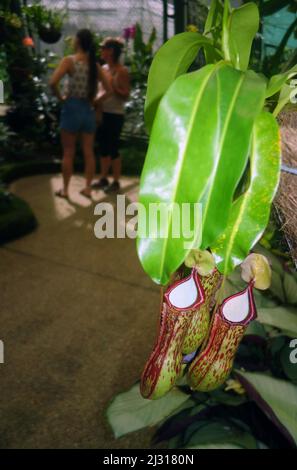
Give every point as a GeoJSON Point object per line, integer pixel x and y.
{"type": "Point", "coordinates": [68, 140]}
{"type": "Point", "coordinates": [90, 166]}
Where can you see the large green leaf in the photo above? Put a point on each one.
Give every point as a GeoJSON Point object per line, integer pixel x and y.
{"type": "Point", "coordinates": [255, 328]}
{"type": "Point", "coordinates": [218, 434]}
{"type": "Point", "coordinates": [290, 287]}
{"type": "Point", "coordinates": [213, 29]}
{"type": "Point", "coordinates": [280, 317]}
{"type": "Point", "coordinates": [250, 212]}
{"type": "Point", "coordinates": [225, 31]}
{"type": "Point", "coordinates": [277, 81]}
{"type": "Point", "coordinates": [289, 367]}
{"type": "Point", "coordinates": [277, 286]}
{"type": "Point", "coordinates": [197, 153]}
{"type": "Point", "coordinates": [214, 18]}
{"type": "Point", "coordinates": [172, 59]}
{"type": "Point", "coordinates": [235, 121]}
{"type": "Point", "coordinates": [216, 445]}
{"type": "Point", "coordinates": [277, 398]}
{"type": "Point", "coordinates": [243, 26]}
{"type": "Point", "coordinates": [129, 411]}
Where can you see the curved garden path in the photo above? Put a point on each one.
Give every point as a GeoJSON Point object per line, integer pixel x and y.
{"type": "Point", "coordinates": [78, 319]}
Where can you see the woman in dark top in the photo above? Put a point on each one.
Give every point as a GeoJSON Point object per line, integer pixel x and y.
{"type": "Point", "coordinates": [113, 107]}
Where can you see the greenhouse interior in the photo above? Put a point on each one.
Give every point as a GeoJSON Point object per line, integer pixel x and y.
{"type": "Point", "coordinates": [148, 227]}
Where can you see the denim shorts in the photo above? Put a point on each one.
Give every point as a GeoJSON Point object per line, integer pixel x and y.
{"type": "Point", "coordinates": [77, 115]}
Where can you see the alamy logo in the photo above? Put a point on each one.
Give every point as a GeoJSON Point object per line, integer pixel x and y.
{"type": "Point", "coordinates": [158, 220]}
{"type": "Point", "coordinates": [1, 92]}
{"type": "Point", "coordinates": [1, 352]}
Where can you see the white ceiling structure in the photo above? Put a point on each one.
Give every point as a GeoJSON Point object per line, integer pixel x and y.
{"type": "Point", "coordinates": [110, 17]}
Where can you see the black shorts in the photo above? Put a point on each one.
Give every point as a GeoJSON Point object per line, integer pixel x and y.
{"type": "Point", "coordinates": [108, 134]}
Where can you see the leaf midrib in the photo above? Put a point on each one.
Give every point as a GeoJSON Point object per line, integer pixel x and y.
{"type": "Point", "coordinates": [245, 198]}
{"type": "Point", "coordinates": [197, 102]}
{"type": "Point", "coordinates": [221, 143]}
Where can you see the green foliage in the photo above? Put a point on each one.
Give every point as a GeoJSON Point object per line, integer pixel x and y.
{"type": "Point", "coordinates": [259, 415]}
{"type": "Point", "coordinates": [281, 318]}
{"type": "Point", "coordinates": [129, 411]}
{"type": "Point", "coordinates": [280, 91]}
{"type": "Point", "coordinates": [40, 16]}
{"type": "Point", "coordinates": [184, 48]}
{"type": "Point", "coordinates": [4, 77]}
{"type": "Point", "coordinates": [194, 102]}
{"type": "Point", "coordinates": [33, 112]}
{"type": "Point", "coordinates": [233, 172]}
{"type": "Point", "coordinates": [139, 62]}
{"type": "Point", "coordinates": [23, 115]}
{"type": "Point", "coordinates": [283, 99]}
{"type": "Point", "coordinates": [12, 20]}
{"type": "Point", "coordinates": [16, 217]}
{"type": "Point", "coordinates": [278, 399]}
{"type": "Point", "coordinates": [141, 57]}
{"type": "Point", "coordinates": [213, 23]}
{"type": "Point", "coordinates": [5, 135]}
{"type": "Point", "coordinates": [12, 171]}
{"type": "Point", "coordinates": [249, 213]}
{"type": "Point", "coordinates": [217, 117]}
{"type": "Point", "coordinates": [243, 26]}
{"type": "Point", "coordinates": [218, 435]}
{"type": "Point", "coordinates": [276, 82]}
{"type": "Point", "coordinates": [288, 367]}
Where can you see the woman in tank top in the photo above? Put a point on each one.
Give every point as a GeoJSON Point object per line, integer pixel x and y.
{"type": "Point", "coordinates": [78, 113]}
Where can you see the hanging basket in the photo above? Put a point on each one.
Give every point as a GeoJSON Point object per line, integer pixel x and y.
{"type": "Point", "coordinates": [49, 35]}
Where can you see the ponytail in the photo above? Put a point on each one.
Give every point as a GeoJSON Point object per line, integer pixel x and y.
{"type": "Point", "coordinates": [93, 73]}
{"type": "Point", "coordinates": [87, 44]}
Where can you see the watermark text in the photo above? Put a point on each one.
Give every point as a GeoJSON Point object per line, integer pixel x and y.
{"type": "Point", "coordinates": [152, 221]}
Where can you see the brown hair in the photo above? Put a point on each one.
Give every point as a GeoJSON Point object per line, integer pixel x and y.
{"type": "Point", "coordinates": [87, 44]}
{"type": "Point", "coordinates": [116, 44]}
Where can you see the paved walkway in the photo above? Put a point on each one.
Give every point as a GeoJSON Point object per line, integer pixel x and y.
{"type": "Point", "coordinates": [78, 319]}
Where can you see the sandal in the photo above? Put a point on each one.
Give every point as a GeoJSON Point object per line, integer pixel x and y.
{"type": "Point", "coordinates": [85, 194]}
{"type": "Point", "coordinates": [100, 184]}
{"type": "Point", "coordinates": [60, 193]}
